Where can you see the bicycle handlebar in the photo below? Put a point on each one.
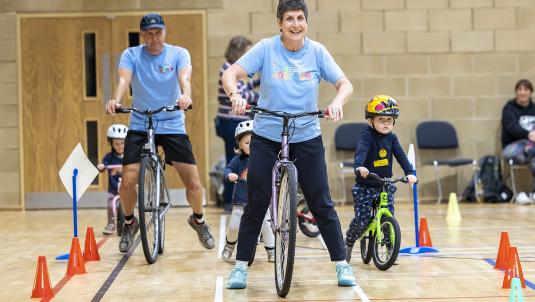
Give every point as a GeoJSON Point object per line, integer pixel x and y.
{"type": "Point", "coordinates": [386, 180]}
{"type": "Point", "coordinates": [111, 167]}
{"type": "Point", "coordinates": [150, 111]}
{"type": "Point", "coordinates": [282, 114]}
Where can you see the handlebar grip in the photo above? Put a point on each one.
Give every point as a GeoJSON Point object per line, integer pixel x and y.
{"type": "Point", "coordinates": [121, 110]}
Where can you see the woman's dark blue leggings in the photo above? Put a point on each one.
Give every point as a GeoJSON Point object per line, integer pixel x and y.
{"type": "Point", "coordinates": [309, 159]}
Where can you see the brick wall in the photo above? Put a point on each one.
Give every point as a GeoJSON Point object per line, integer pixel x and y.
{"type": "Point", "coordinates": [455, 60]}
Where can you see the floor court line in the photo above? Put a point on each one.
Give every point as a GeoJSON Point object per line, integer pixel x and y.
{"type": "Point", "coordinates": [526, 281]}
{"type": "Point", "coordinates": [218, 289]}
{"type": "Point", "coordinates": [362, 295]}
{"type": "Point", "coordinates": [109, 281]}
{"type": "Point", "coordinates": [222, 228]}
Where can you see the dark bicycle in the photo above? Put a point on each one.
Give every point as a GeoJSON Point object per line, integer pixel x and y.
{"type": "Point", "coordinates": [152, 204]}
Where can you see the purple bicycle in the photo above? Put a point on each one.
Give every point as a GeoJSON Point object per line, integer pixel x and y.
{"type": "Point", "coordinates": [283, 207]}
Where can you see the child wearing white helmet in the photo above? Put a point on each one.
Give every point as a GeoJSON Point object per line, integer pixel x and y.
{"type": "Point", "coordinates": [116, 136]}
{"type": "Point", "coordinates": [236, 171]}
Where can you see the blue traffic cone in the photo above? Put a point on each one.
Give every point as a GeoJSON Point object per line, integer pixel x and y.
{"type": "Point", "coordinates": [516, 291]}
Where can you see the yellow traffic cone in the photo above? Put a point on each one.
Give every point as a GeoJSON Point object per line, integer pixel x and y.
{"type": "Point", "coordinates": [454, 215]}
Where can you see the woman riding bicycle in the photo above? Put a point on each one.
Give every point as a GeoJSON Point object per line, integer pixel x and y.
{"type": "Point", "coordinates": [291, 67]}
{"type": "Point", "coordinates": [374, 154]}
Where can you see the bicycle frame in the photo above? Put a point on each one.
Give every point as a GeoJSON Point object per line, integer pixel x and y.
{"type": "Point", "coordinates": [275, 174]}
{"type": "Point", "coordinates": [284, 155]}
{"type": "Point", "coordinates": [381, 210]}
{"type": "Point", "coordinates": [150, 150]}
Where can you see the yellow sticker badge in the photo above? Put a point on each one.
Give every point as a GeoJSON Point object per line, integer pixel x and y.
{"type": "Point", "coordinates": [380, 163]}
{"type": "Point", "coordinates": [382, 153]}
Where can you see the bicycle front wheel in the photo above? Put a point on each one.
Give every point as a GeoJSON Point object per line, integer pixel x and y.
{"type": "Point", "coordinates": [161, 233]}
{"type": "Point", "coordinates": [286, 229]}
{"type": "Point", "coordinates": [148, 210]}
{"type": "Point", "coordinates": [386, 246]}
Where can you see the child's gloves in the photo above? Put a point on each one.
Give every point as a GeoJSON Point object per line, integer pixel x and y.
{"type": "Point", "coordinates": [232, 177]}
{"type": "Point", "coordinates": [363, 171]}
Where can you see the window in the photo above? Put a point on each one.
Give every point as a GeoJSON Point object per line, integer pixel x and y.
{"type": "Point", "coordinates": [133, 40]}
{"type": "Point", "coordinates": [91, 129]}
{"type": "Point", "coordinates": [90, 65]}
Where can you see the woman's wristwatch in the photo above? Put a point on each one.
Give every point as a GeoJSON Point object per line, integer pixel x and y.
{"type": "Point", "coordinates": [233, 92]}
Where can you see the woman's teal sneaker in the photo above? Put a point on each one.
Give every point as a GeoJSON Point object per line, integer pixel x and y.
{"type": "Point", "coordinates": [345, 276]}
{"type": "Point", "coordinates": [238, 277]}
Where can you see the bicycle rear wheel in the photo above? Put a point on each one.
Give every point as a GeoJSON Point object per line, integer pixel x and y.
{"type": "Point", "coordinates": [120, 218]}
{"type": "Point", "coordinates": [148, 210]}
{"type": "Point", "coordinates": [366, 248]}
{"type": "Point", "coordinates": [286, 229]}
{"type": "Point", "coordinates": [386, 249]}
{"type": "Point", "coordinates": [307, 224]}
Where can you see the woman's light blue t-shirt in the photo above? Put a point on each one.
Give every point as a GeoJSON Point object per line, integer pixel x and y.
{"type": "Point", "coordinates": [155, 84]}
{"type": "Point", "coordinates": [289, 81]}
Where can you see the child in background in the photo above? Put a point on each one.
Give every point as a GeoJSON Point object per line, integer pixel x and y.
{"type": "Point", "coordinates": [374, 154]}
{"type": "Point", "coordinates": [236, 171]}
{"type": "Point", "coordinates": [116, 136]}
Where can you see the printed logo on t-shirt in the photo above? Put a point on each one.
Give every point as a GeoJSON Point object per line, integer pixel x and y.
{"type": "Point", "coordinates": [527, 122]}
{"type": "Point", "coordinates": [380, 163]}
{"type": "Point", "coordinates": [292, 73]}
{"type": "Point", "coordinates": [243, 175]}
{"type": "Point", "coordinates": [165, 68]}
{"type": "Point", "coordinates": [382, 153]}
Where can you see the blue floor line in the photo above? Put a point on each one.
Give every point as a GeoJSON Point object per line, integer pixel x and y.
{"type": "Point", "coordinates": [526, 281]}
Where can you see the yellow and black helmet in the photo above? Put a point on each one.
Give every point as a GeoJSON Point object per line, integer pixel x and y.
{"type": "Point", "coordinates": [382, 105]}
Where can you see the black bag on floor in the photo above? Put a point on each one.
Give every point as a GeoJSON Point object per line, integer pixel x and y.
{"type": "Point", "coordinates": [490, 186]}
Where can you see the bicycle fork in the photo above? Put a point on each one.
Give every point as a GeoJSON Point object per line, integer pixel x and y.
{"type": "Point", "coordinates": [274, 206]}
{"type": "Point", "coordinates": [383, 210]}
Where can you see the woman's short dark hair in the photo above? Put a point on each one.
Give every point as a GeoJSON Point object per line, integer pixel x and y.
{"type": "Point", "coordinates": [291, 5]}
{"type": "Point", "coordinates": [524, 83]}
{"type": "Point", "coordinates": [236, 48]}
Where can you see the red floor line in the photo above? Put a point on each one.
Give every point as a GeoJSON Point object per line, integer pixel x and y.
{"type": "Point", "coordinates": [102, 241]}
{"type": "Point", "coordinates": [66, 278]}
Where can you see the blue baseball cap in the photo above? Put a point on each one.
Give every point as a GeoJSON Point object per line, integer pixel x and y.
{"type": "Point", "coordinates": [151, 21]}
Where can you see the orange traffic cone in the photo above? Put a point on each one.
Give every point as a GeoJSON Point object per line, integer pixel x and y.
{"type": "Point", "coordinates": [76, 263]}
{"type": "Point", "coordinates": [424, 237]}
{"type": "Point", "coordinates": [41, 284]}
{"type": "Point", "coordinates": [90, 247]}
{"type": "Point", "coordinates": [514, 269]}
{"type": "Point", "coordinates": [503, 250]}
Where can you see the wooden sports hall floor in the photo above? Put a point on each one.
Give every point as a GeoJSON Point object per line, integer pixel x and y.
{"type": "Point", "coordinates": [187, 272]}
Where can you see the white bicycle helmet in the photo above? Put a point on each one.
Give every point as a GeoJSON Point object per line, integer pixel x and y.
{"type": "Point", "coordinates": [243, 128]}
{"type": "Point", "coordinates": [117, 131]}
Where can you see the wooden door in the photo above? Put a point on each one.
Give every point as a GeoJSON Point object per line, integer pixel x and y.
{"type": "Point", "coordinates": [58, 104]}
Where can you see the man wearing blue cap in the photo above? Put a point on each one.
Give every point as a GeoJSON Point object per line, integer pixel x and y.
{"type": "Point", "coordinates": [160, 76]}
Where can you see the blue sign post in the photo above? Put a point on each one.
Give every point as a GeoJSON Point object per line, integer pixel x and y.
{"type": "Point", "coordinates": [74, 212]}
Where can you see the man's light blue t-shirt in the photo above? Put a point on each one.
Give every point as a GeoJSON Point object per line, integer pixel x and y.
{"type": "Point", "coordinates": [289, 81]}
{"type": "Point", "coordinates": [155, 84]}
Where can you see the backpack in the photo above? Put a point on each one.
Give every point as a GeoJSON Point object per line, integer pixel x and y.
{"type": "Point", "coordinates": [490, 186]}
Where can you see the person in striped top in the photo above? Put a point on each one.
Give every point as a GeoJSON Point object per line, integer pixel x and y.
{"type": "Point", "coordinates": [226, 122]}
